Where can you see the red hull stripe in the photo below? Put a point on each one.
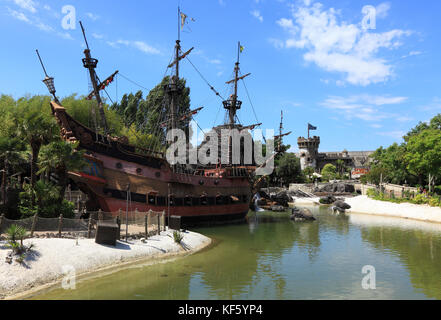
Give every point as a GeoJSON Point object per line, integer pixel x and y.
{"type": "Point", "coordinates": [113, 205]}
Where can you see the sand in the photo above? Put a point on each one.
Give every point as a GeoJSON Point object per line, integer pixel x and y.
{"type": "Point", "coordinates": [364, 204]}
{"type": "Point", "coordinates": [53, 259]}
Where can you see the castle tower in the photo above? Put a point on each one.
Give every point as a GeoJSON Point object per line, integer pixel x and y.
{"type": "Point", "coordinates": [308, 152]}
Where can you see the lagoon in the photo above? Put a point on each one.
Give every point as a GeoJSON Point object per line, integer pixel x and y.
{"type": "Point", "coordinates": [271, 257]}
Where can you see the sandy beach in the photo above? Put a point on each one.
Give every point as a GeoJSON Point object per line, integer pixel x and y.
{"type": "Point", "coordinates": [364, 204]}
{"type": "Point", "coordinates": [53, 259]}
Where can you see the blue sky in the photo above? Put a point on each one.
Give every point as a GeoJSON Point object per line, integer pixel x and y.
{"type": "Point", "coordinates": [314, 60]}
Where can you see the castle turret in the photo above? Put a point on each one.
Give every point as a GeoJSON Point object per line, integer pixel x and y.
{"type": "Point", "coordinates": [308, 152]}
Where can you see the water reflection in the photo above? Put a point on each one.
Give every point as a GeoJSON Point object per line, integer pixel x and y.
{"type": "Point", "coordinates": [272, 257]}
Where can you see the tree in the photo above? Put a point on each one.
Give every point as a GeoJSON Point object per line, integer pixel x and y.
{"type": "Point", "coordinates": [424, 154]}
{"type": "Point", "coordinates": [12, 155]}
{"type": "Point", "coordinates": [340, 167]}
{"type": "Point", "coordinates": [47, 204]}
{"type": "Point", "coordinates": [148, 115]}
{"type": "Point", "coordinates": [435, 123]}
{"type": "Point", "coordinates": [288, 169]}
{"type": "Point", "coordinates": [309, 173]}
{"type": "Point", "coordinates": [375, 176]}
{"type": "Point", "coordinates": [35, 127]}
{"type": "Point", "coordinates": [61, 157]}
{"type": "Point", "coordinates": [393, 162]}
{"type": "Point", "coordinates": [329, 172]}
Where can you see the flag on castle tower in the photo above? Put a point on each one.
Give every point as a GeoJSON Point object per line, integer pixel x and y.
{"type": "Point", "coordinates": [311, 127]}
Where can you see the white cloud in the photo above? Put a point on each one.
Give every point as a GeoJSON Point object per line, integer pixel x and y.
{"type": "Point", "coordinates": [92, 16]}
{"type": "Point", "coordinates": [337, 46]}
{"type": "Point", "coordinates": [365, 107]}
{"type": "Point", "coordinates": [393, 134]}
{"type": "Point", "coordinates": [28, 5]}
{"type": "Point", "coordinates": [19, 16]}
{"type": "Point", "coordinates": [97, 35]}
{"type": "Point", "coordinates": [382, 10]}
{"type": "Point", "coordinates": [144, 47]}
{"type": "Point", "coordinates": [256, 14]}
{"type": "Point", "coordinates": [36, 22]}
{"type": "Point", "coordinates": [140, 45]}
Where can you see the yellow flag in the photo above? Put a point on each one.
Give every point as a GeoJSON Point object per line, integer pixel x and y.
{"type": "Point", "coordinates": [242, 48]}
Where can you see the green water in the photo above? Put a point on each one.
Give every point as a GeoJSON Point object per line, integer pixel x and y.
{"type": "Point", "coordinates": [271, 257]}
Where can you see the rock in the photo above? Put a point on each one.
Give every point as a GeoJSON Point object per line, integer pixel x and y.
{"type": "Point", "coordinates": [337, 187]}
{"type": "Point", "coordinates": [302, 215]}
{"type": "Point", "coordinates": [340, 206]}
{"type": "Point", "coordinates": [328, 200]}
{"type": "Point", "coordinates": [277, 208]}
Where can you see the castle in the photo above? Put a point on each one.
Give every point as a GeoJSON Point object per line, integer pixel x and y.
{"type": "Point", "coordinates": [311, 157]}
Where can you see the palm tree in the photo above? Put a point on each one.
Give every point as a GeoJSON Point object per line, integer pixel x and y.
{"type": "Point", "coordinates": [12, 155]}
{"type": "Point", "coordinates": [61, 157]}
{"type": "Point", "coordinates": [37, 129]}
{"type": "Point", "coordinates": [340, 164]}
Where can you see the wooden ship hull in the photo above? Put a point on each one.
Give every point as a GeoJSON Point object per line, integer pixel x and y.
{"type": "Point", "coordinates": [210, 196]}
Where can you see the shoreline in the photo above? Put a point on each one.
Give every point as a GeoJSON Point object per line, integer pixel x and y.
{"type": "Point", "coordinates": [366, 205]}
{"type": "Point", "coordinates": [44, 271]}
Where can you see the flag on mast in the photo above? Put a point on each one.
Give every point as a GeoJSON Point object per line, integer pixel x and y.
{"type": "Point", "coordinates": [184, 20]}
{"type": "Point", "coordinates": [311, 127]}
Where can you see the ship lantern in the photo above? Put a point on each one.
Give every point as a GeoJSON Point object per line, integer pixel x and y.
{"type": "Point", "coordinates": [49, 82]}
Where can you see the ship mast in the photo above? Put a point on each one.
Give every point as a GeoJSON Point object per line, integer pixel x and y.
{"type": "Point", "coordinates": [233, 104]}
{"type": "Point", "coordinates": [90, 64]}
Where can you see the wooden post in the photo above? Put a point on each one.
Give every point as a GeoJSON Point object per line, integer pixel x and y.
{"type": "Point", "coordinates": [159, 224]}
{"type": "Point", "coordinates": [60, 225]}
{"type": "Point", "coordinates": [100, 215]}
{"type": "Point", "coordinates": [146, 225]}
{"type": "Point", "coordinates": [89, 228]}
{"type": "Point", "coordinates": [118, 222]}
{"type": "Point", "coordinates": [163, 221]}
{"type": "Point", "coordinates": [69, 190]}
{"type": "Point", "coordinates": [1, 221]}
{"type": "Point", "coordinates": [34, 223]}
{"type": "Point", "coordinates": [149, 218]}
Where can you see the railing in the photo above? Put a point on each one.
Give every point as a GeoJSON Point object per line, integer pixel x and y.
{"type": "Point", "coordinates": [136, 223]}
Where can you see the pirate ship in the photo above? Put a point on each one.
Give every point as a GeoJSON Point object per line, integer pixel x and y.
{"type": "Point", "coordinates": [119, 174]}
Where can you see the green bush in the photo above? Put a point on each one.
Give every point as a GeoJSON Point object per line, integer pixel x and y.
{"type": "Point", "coordinates": [178, 236]}
{"type": "Point", "coordinates": [48, 202]}
{"type": "Point", "coordinates": [420, 199]}
{"type": "Point", "coordinates": [435, 201]}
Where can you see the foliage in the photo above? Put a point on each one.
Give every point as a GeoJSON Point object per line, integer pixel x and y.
{"type": "Point", "coordinates": [424, 153]}
{"type": "Point", "coordinates": [80, 109]}
{"type": "Point", "coordinates": [48, 204]}
{"type": "Point", "coordinates": [433, 201]}
{"type": "Point", "coordinates": [288, 169]}
{"type": "Point", "coordinates": [374, 176]}
{"type": "Point", "coordinates": [178, 236]}
{"type": "Point", "coordinates": [329, 172]}
{"type": "Point", "coordinates": [414, 160]}
{"type": "Point", "coordinates": [14, 233]}
{"type": "Point", "coordinates": [309, 174]}
{"type": "Point", "coordinates": [147, 114]}
{"type": "Point", "coordinates": [61, 157]}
